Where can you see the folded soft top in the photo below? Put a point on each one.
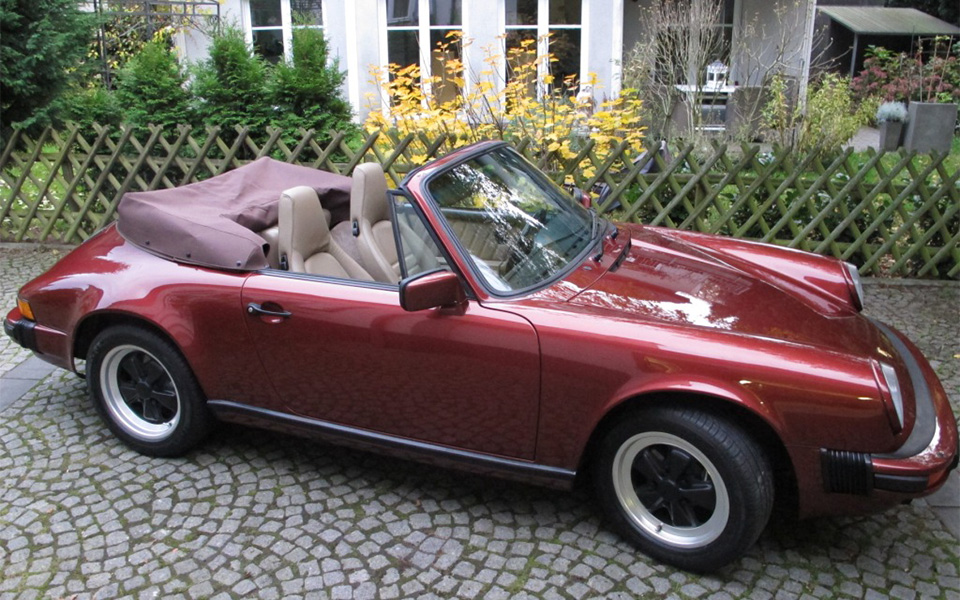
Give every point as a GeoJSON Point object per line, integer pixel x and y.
{"type": "Point", "coordinates": [214, 222]}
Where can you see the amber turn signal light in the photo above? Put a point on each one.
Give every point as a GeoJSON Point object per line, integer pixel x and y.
{"type": "Point", "coordinates": [25, 309]}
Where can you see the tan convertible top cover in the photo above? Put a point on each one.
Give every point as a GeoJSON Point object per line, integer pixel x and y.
{"type": "Point", "coordinates": [214, 222]}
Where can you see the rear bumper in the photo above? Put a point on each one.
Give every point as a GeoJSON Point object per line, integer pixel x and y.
{"type": "Point", "coordinates": [20, 330]}
{"type": "Point", "coordinates": [48, 344]}
{"type": "Point", "coordinates": [923, 462]}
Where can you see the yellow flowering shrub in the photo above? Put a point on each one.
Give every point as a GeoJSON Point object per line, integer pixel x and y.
{"type": "Point", "coordinates": [526, 108]}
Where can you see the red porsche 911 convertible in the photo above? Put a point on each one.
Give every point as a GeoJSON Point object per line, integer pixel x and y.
{"type": "Point", "coordinates": [480, 317]}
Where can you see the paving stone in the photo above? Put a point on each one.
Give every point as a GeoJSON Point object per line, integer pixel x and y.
{"type": "Point", "coordinates": [255, 514]}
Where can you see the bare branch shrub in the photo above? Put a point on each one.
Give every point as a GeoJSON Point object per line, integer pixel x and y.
{"type": "Point", "coordinates": [681, 37]}
{"type": "Point", "coordinates": [771, 52]}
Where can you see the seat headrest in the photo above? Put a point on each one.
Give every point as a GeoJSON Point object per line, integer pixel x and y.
{"type": "Point", "coordinates": [368, 194]}
{"type": "Point", "coordinates": [302, 224]}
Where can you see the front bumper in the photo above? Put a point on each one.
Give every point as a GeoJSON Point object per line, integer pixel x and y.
{"type": "Point", "coordinates": [923, 462]}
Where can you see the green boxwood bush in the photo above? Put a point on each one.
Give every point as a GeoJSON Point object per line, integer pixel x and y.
{"type": "Point", "coordinates": [230, 87]}
{"type": "Point", "coordinates": [152, 89]}
{"type": "Point", "coordinates": [44, 42]}
{"type": "Point", "coordinates": [306, 91]}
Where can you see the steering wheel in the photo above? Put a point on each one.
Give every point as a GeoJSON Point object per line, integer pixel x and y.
{"type": "Point", "coordinates": [526, 239]}
{"type": "Point", "coordinates": [521, 273]}
{"type": "Point", "coordinates": [514, 257]}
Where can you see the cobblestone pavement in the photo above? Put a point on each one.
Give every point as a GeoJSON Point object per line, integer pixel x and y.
{"type": "Point", "coordinates": [257, 514]}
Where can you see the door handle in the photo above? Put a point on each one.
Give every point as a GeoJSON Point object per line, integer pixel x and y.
{"type": "Point", "coordinates": [255, 309]}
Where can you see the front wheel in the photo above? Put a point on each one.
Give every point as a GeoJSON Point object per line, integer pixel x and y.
{"type": "Point", "coordinates": [689, 488]}
{"type": "Point", "coordinates": [145, 391]}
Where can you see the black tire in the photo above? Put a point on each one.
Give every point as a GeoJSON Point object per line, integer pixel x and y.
{"type": "Point", "coordinates": [656, 472]}
{"type": "Point", "coordinates": [145, 391]}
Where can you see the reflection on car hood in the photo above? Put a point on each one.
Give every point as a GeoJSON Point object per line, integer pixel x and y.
{"type": "Point", "coordinates": [668, 279]}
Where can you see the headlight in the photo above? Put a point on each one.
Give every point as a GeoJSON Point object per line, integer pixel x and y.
{"type": "Point", "coordinates": [855, 285]}
{"type": "Point", "coordinates": [893, 384]}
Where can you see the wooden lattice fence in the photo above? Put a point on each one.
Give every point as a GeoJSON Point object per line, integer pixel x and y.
{"type": "Point", "coordinates": [890, 214]}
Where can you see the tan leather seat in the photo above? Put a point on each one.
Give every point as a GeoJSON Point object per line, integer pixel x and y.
{"type": "Point", "coordinates": [371, 225]}
{"type": "Point", "coordinates": [304, 238]}
{"type": "Point", "coordinates": [271, 235]}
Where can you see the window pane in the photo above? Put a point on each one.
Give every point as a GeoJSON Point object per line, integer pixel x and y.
{"type": "Point", "coordinates": [307, 12]}
{"type": "Point", "coordinates": [445, 12]}
{"type": "Point", "coordinates": [522, 58]}
{"type": "Point", "coordinates": [265, 13]}
{"type": "Point", "coordinates": [564, 12]}
{"type": "Point", "coordinates": [565, 47]}
{"type": "Point", "coordinates": [444, 50]}
{"type": "Point", "coordinates": [418, 251]}
{"type": "Point", "coordinates": [521, 12]}
{"type": "Point", "coordinates": [403, 48]}
{"type": "Point", "coordinates": [268, 43]}
{"type": "Point", "coordinates": [728, 7]}
{"type": "Point", "coordinates": [725, 45]}
{"type": "Point", "coordinates": [713, 114]}
{"type": "Point", "coordinates": [402, 12]}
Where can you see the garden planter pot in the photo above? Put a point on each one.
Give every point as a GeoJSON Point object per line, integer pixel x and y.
{"type": "Point", "coordinates": [930, 126]}
{"type": "Point", "coordinates": [890, 134]}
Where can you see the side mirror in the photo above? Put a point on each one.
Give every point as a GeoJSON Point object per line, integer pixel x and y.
{"type": "Point", "coordinates": [579, 196]}
{"type": "Point", "coordinates": [433, 289]}
{"type": "Point", "coordinates": [585, 200]}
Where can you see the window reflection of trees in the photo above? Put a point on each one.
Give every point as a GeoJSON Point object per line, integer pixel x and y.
{"type": "Point", "coordinates": [540, 226]}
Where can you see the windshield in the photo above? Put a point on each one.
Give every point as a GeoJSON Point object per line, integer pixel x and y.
{"type": "Point", "coordinates": [519, 228]}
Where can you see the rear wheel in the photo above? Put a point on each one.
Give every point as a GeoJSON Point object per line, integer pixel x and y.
{"type": "Point", "coordinates": [688, 488]}
{"type": "Point", "coordinates": [146, 392]}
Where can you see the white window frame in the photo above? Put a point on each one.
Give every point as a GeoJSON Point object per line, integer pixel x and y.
{"type": "Point", "coordinates": [423, 29]}
{"type": "Point", "coordinates": [286, 25]}
{"type": "Point", "coordinates": [543, 27]}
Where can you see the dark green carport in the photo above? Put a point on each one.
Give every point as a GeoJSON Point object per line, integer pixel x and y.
{"type": "Point", "coordinates": [883, 21]}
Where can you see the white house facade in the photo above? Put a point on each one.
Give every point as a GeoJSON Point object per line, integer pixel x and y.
{"type": "Point", "coordinates": [588, 37]}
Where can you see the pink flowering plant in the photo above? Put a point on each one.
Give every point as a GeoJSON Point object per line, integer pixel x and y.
{"type": "Point", "coordinates": [931, 74]}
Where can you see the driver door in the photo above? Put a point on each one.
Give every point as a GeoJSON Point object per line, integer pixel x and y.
{"type": "Point", "coordinates": [350, 354]}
